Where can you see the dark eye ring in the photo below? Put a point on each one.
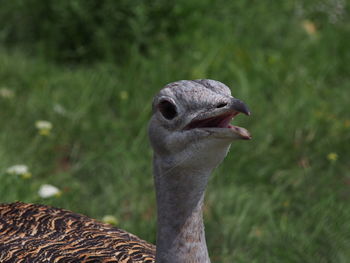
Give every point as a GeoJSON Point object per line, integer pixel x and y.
{"type": "Point", "coordinates": [167, 109]}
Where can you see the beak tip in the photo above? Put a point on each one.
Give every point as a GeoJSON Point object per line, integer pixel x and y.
{"type": "Point", "coordinates": [240, 106]}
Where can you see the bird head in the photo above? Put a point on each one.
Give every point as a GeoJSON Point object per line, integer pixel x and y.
{"type": "Point", "coordinates": [190, 125]}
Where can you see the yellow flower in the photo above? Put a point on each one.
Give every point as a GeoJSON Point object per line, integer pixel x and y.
{"type": "Point", "coordinates": [124, 95]}
{"type": "Point", "coordinates": [332, 157]}
{"type": "Point", "coordinates": [44, 127]}
{"type": "Point", "coordinates": [26, 175]}
{"type": "Point", "coordinates": [309, 27]}
{"type": "Point", "coordinates": [110, 219]}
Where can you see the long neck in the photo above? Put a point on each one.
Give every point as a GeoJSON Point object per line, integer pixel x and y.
{"type": "Point", "coordinates": [180, 230]}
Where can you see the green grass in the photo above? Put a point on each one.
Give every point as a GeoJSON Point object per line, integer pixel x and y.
{"type": "Point", "coordinates": [277, 198]}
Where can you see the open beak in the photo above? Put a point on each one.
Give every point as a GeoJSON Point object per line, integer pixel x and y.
{"type": "Point", "coordinates": [223, 120]}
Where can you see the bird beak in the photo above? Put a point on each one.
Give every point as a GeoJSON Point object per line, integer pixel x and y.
{"type": "Point", "coordinates": [240, 106]}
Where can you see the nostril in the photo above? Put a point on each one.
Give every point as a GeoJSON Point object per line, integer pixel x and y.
{"type": "Point", "coordinates": [221, 105]}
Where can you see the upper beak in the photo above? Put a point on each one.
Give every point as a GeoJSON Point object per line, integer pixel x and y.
{"type": "Point", "coordinates": [239, 106]}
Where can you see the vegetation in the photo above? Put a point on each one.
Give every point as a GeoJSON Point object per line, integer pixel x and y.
{"type": "Point", "coordinates": [282, 197]}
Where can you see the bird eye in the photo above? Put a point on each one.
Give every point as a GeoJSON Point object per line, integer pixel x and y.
{"type": "Point", "coordinates": [167, 109]}
{"type": "Point", "coordinates": [221, 105]}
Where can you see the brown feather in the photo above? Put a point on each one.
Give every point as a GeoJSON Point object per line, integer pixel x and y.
{"type": "Point", "coordinates": [39, 233]}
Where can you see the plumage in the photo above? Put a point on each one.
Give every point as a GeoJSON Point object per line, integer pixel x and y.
{"type": "Point", "coordinates": [38, 233]}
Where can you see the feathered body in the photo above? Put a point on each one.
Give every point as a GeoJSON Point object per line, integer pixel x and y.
{"type": "Point", "coordinates": [37, 233]}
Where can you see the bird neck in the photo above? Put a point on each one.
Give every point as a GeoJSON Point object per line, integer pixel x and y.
{"type": "Point", "coordinates": [180, 230]}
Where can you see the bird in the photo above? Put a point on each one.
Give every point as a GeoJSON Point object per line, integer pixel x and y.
{"type": "Point", "coordinates": [191, 134]}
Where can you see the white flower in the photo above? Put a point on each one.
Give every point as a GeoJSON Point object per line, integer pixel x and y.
{"type": "Point", "coordinates": [44, 127]}
{"type": "Point", "coordinates": [19, 169]}
{"type": "Point", "coordinates": [6, 93]}
{"type": "Point", "coordinates": [59, 109]}
{"type": "Point", "coordinates": [48, 190]}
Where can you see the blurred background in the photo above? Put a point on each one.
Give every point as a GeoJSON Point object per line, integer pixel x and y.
{"type": "Point", "coordinates": [76, 83]}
